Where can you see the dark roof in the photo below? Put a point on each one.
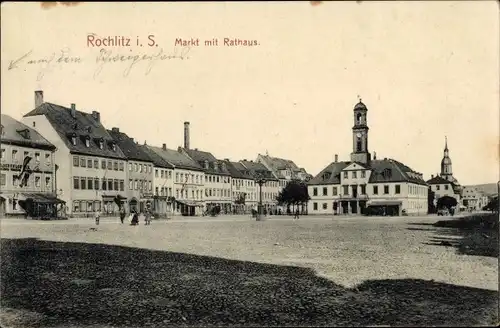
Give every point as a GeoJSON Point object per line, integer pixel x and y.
{"type": "Point", "coordinates": [204, 158]}
{"type": "Point", "coordinates": [157, 159]}
{"type": "Point", "coordinates": [237, 170]}
{"type": "Point", "coordinates": [17, 133]}
{"type": "Point", "coordinates": [360, 105]}
{"type": "Point", "coordinates": [385, 170]}
{"type": "Point", "coordinates": [82, 126]}
{"type": "Point", "coordinates": [176, 158]}
{"type": "Point", "coordinates": [330, 174]}
{"type": "Point", "coordinates": [439, 180]}
{"type": "Point", "coordinates": [130, 149]}
{"type": "Point", "coordinates": [257, 169]}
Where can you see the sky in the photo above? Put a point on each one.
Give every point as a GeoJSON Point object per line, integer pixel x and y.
{"type": "Point", "coordinates": [425, 70]}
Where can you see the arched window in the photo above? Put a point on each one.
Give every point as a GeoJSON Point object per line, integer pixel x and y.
{"type": "Point", "coordinates": [359, 145]}
{"type": "Point", "coordinates": [359, 118]}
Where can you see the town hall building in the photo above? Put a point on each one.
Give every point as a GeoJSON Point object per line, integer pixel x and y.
{"type": "Point", "coordinates": [367, 185]}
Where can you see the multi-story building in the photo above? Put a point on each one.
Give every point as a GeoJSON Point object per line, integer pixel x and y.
{"type": "Point", "coordinates": [445, 184]}
{"type": "Point", "coordinates": [270, 188]}
{"type": "Point", "coordinates": [139, 172]}
{"type": "Point", "coordinates": [217, 178]}
{"type": "Point", "coordinates": [188, 184]}
{"type": "Point", "coordinates": [385, 186]}
{"type": "Point", "coordinates": [27, 175]}
{"type": "Point", "coordinates": [163, 182]}
{"type": "Point", "coordinates": [473, 199]}
{"type": "Point", "coordinates": [91, 167]}
{"type": "Point", "coordinates": [244, 190]}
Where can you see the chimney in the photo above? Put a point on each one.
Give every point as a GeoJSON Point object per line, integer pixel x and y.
{"type": "Point", "coordinates": [336, 158]}
{"type": "Point", "coordinates": [432, 175]}
{"type": "Point", "coordinates": [186, 135]}
{"type": "Point", "coordinates": [73, 110]}
{"type": "Point", "coordinates": [374, 155]}
{"type": "Point", "coordinates": [164, 146]}
{"type": "Point", "coordinates": [38, 98]}
{"type": "Point", "coordinates": [115, 129]}
{"type": "Point", "coordinates": [96, 116]}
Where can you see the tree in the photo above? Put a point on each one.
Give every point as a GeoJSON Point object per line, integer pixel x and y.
{"type": "Point", "coordinates": [431, 208]}
{"type": "Point", "coordinates": [492, 205]}
{"type": "Point", "coordinates": [446, 202]}
{"type": "Point", "coordinates": [294, 193]}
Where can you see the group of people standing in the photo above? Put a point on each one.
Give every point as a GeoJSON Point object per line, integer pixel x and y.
{"type": "Point", "coordinates": [135, 216]}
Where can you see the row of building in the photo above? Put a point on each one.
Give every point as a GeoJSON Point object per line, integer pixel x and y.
{"type": "Point", "coordinates": [62, 161]}
{"type": "Point", "coordinates": [73, 165]}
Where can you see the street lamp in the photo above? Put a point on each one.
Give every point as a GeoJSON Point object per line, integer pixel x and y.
{"type": "Point", "coordinates": [260, 180]}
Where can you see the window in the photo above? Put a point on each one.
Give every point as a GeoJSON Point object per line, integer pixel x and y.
{"type": "Point", "coordinates": [83, 183]}
{"type": "Point", "coordinates": [334, 191]}
{"type": "Point", "coordinates": [122, 166]}
{"type": "Point", "coordinates": [115, 166]}
{"type": "Point", "coordinates": [156, 173]}
{"type": "Point", "coordinates": [96, 183]}
{"type": "Point", "coordinates": [445, 187]}
{"type": "Point", "coordinates": [101, 144]}
{"type": "Point", "coordinates": [14, 155]}
{"type": "Point", "coordinates": [96, 164]}
{"type": "Point", "coordinates": [89, 163]}
{"type": "Point", "coordinates": [135, 167]}
{"type": "Point", "coordinates": [76, 206]}
{"type": "Point", "coordinates": [37, 157]}
{"type": "Point", "coordinates": [113, 146]}
{"type": "Point", "coordinates": [73, 141]}
{"type": "Point", "coordinates": [2, 154]}
{"type": "Point", "coordinates": [325, 191]}
{"type": "Point", "coordinates": [150, 186]}
{"type": "Point", "coordinates": [116, 185]}
{"type": "Point", "coordinates": [386, 190]}
{"type": "Point", "coordinates": [315, 191]}
{"type": "Point", "coordinates": [131, 184]}
{"type": "Point", "coordinates": [90, 184]}
{"type": "Point", "coordinates": [87, 143]}
{"type": "Point", "coordinates": [136, 185]}
{"type": "Point", "coordinates": [156, 190]}
{"type": "Point", "coordinates": [130, 167]}
{"type": "Point", "coordinates": [170, 174]}
{"type": "Point", "coordinates": [82, 162]}
{"type": "Point", "coordinates": [140, 168]}
{"type": "Point", "coordinates": [375, 190]}
{"type": "Point", "coordinates": [398, 189]}
{"type": "Point", "coordinates": [110, 165]}
{"type": "Point", "coordinates": [346, 190]}
{"type": "Point", "coordinates": [76, 161]}
{"type": "Point", "coordinates": [437, 187]}
{"type": "Point", "coordinates": [162, 173]}
{"type": "Point", "coordinates": [363, 174]}
{"type": "Point", "coordinates": [346, 175]}
{"type": "Point", "coordinates": [103, 164]}
{"type": "Point", "coordinates": [3, 179]}
{"type": "Point", "coordinates": [363, 189]}
{"type": "Point", "coordinates": [76, 183]}
{"type": "Point", "coordinates": [110, 184]}
{"type": "Point", "coordinates": [37, 181]}
{"type": "Point", "coordinates": [47, 182]}
{"type": "Point", "coordinates": [315, 206]}
{"type": "Point", "coordinates": [325, 206]}
{"type": "Point", "coordinates": [354, 175]}
{"type": "Point", "coordinates": [104, 184]}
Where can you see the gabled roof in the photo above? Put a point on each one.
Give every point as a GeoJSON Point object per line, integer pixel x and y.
{"type": "Point", "coordinates": [257, 169]}
{"type": "Point", "coordinates": [130, 149]}
{"type": "Point", "coordinates": [385, 170]}
{"type": "Point", "coordinates": [17, 133]}
{"type": "Point", "coordinates": [158, 161]}
{"type": "Point", "coordinates": [176, 158]}
{"type": "Point", "coordinates": [438, 180]}
{"type": "Point", "coordinates": [330, 174]}
{"type": "Point", "coordinates": [202, 157]}
{"type": "Point", "coordinates": [236, 170]}
{"type": "Point", "coordinates": [82, 126]}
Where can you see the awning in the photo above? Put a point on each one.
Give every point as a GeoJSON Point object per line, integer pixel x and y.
{"type": "Point", "coordinates": [383, 202]}
{"type": "Point", "coordinates": [188, 202]}
{"type": "Point", "coordinates": [43, 198]}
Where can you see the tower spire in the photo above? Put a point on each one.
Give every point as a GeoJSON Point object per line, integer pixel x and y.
{"type": "Point", "coordinates": [445, 143]}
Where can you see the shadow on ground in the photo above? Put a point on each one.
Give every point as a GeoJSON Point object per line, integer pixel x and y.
{"type": "Point", "coordinates": [475, 235]}
{"type": "Point", "coordinates": [77, 284]}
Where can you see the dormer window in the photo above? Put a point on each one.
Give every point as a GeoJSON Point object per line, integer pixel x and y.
{"type": "Point", "coordinates": [206, 164]}
{"type": "Point", "coordinates": [113, 146]}
{"type": "Point", "coordinates": [89, 129]}
{"type": "Point", "coordinates": [73, 140]}
{"type": "Point", "coordinates": [24, 133]}
{"type": "Point", "coordinates": [326, 175]}
{"type": "Point", "coordinates": [87, 142]}
{"type": "Point", "coordinates": [387, 173]}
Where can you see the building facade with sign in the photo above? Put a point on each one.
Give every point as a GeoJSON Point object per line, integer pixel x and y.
{"type": "Point", "coordinates": [91, 173]}
{"type": "Point", "coordinates": [27, 174]}
{"type": "Point", "coordinates": [367, 186]}
{"type": "Point", "coordinates": [139, 173]}
{"type": "Point", "coordinates": [188, 181]}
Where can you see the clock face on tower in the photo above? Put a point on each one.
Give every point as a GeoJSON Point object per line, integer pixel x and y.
{"type": "Point", "coordinates": [358, 135]}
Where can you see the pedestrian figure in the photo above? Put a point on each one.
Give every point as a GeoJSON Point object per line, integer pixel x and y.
{"type": "Point", "coordinates": [122, 214]}
{"type": "Point", "coordinates": [97, 217]}
{"type": "Point", "coordinates": [135, 219]}
{"type": "Point", "coordinates": [296, 214]}
{"type": "Point", "coordinates": [147, 218]}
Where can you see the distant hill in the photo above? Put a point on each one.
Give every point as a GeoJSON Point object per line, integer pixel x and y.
{"type": "Point", "coordinates": [488, 188]}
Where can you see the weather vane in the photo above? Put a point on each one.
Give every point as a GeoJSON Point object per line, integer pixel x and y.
{"type": "Point", "coordinates": [359, 97]}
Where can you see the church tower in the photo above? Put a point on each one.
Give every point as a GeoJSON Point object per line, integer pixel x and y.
{"type": "Point", "coordinates": [360, 152]}
{"type": "Point", "coordinates": [446, 169]}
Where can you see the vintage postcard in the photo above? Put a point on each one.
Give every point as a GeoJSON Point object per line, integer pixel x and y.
{"type": "Point", "coordinates": [191, 164]}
